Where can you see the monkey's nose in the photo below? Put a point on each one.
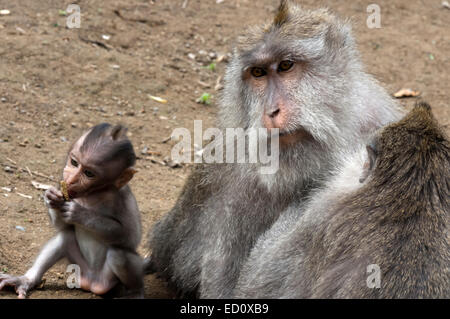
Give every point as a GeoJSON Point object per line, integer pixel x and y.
{"type": "Point", "coordinates": [72, 180]}
{"type": "Point", "coordinates": [274, 113]}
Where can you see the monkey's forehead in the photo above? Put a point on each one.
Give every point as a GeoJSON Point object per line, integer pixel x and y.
{"type": "Point", "coordinates": [273, 48]}
{"type": "Point", "coordinates": [98, 156]}
{"type": "Point", "coordinates": [90, 148]}
{"type": "Point", "coordinates": [298, 24]}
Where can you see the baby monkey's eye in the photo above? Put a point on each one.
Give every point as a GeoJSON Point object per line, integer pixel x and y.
{"type": "Point", "coordinates": [285, 65]}
{"type": "Point", "coordinates": [257, 72]}
{"type": "Point", "coordinates": [89, 174]}
{"type": "Point", "coordinates": [74, 162]}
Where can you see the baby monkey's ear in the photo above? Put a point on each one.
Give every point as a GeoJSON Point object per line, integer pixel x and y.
{"type": "Point", "coordinates": [118, 132]}
{"type": "Point", "coordinates": [369, 164]}
{"type": "Point", "coordinates": [125, 177]}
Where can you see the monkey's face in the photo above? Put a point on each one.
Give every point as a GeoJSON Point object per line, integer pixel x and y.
{"type": "Point", "coordinates": [291, 95]}
{"type": "Point", "coordinates": [293, 85]}
{"type": "Point", "coordinates": [295, 75]}
{"type": "Point", "coordinates": [273, 83]}
{"type": "Point", "coordinates": [82, 172]}
{"type": "Point", "coordinates": [79, 177]}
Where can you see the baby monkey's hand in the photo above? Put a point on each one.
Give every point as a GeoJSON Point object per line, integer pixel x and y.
{"type": "Point", "coordinates": [54, 198]}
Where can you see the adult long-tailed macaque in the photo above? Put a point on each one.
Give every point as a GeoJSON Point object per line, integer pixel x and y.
{"type": "Point", "coordinates": [99, 227]}
{"type": "Point", "coordinates": [383, 221]}
{"type": "Point", "coordinates": [299, 73]}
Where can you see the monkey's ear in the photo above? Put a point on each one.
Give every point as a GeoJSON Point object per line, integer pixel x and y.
{"type": "Point", "coordinates": [125, 177]}
{"type": "Point", "coordinates": [118, 132]}
{"type": "Point", "coordinates": [370, 161]}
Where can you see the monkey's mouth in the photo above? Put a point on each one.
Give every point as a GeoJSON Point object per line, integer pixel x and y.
{"type": "Point", "coordinates": [289, 137]}
{"type": "Point", "coordinates": [72, 194]}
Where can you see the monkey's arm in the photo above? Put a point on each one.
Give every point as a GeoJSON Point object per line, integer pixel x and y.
{"type": "Point", "coordinates": [49, 255]}
{"type": "Point", "coordinates": [181, 222]}
{"type": "Point", "coordinates": [98, 220]}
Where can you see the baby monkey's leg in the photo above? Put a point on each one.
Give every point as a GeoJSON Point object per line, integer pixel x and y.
{"type": "Point", "coordinates": [52, 251]}
{"type": "Point", "coordinates": [128, 267]}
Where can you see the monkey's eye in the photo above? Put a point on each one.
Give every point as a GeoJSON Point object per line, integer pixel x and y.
{"type": "Point", "coordinates": [89, 174]}
{"type": "Point", "coordinates": [285, 65]}
{"type": "Point", "coordinates": [257, 72]}
{"type": "Point", "coordinates": [74, 162]}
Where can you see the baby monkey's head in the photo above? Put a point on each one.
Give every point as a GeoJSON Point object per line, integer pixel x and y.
{"type": "Point", "coordinates": [103, 157]}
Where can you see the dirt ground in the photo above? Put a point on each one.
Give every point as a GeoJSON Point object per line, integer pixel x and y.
{"type": "Point", "coordinates": [56, 82]}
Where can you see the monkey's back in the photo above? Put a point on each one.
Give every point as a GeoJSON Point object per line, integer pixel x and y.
{"type": "Point", "coordinates": [399, 220]}
{"type": "Point", "coordinates": [412, 253]}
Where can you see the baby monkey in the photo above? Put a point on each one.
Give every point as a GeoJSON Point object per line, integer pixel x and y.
{"type": "Point", "coordinates": [99, 227]}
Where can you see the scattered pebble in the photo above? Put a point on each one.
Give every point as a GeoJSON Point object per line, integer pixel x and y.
{"type": "Point", "coordinates": [106, 37]}
{"type": "Point", "coordinates": [20, 228]}
{"type": "Point", "coordinates": [8, 169]}
{"type": "Point", "coordinates": [25, 196]}
{"type": "Point", "coordinates": [191, 56]}
{"type": "Point", "coordinates": [163, 118]}
{"type": "Point", "coordinates": [172, 163]}
{"type": "Point", "coordinates": [20, 30]}
{"type": "Point", "coordinates": [3, 99]}
{"type": "Point", "coordinates": [218, 85]}
{"type": "Point", "coordinates": [115, 66]}
{"type": "Point", "coordinates": [63, 139]}
{"type": "Point", "coordinates": [4, 12]}
{"type": "Point", "coordinates": [445, 4]}
{"type": "Point", "coordinates": [7, 189]}
{"type": "Point", "coordinates": [222, 57]}
{"type": "Point", "coordinates": [40, 186]}
{"type": "Point", "coordinates": [406, 93]}
{"type": "Point", "coordinates": [166, 139]}
{"type": "Point", "coordinates": [157, 99]}
{"type": "Point", "coordinates": [204, 84]}
{"type": "Point", "coordinates": [41, 284]}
